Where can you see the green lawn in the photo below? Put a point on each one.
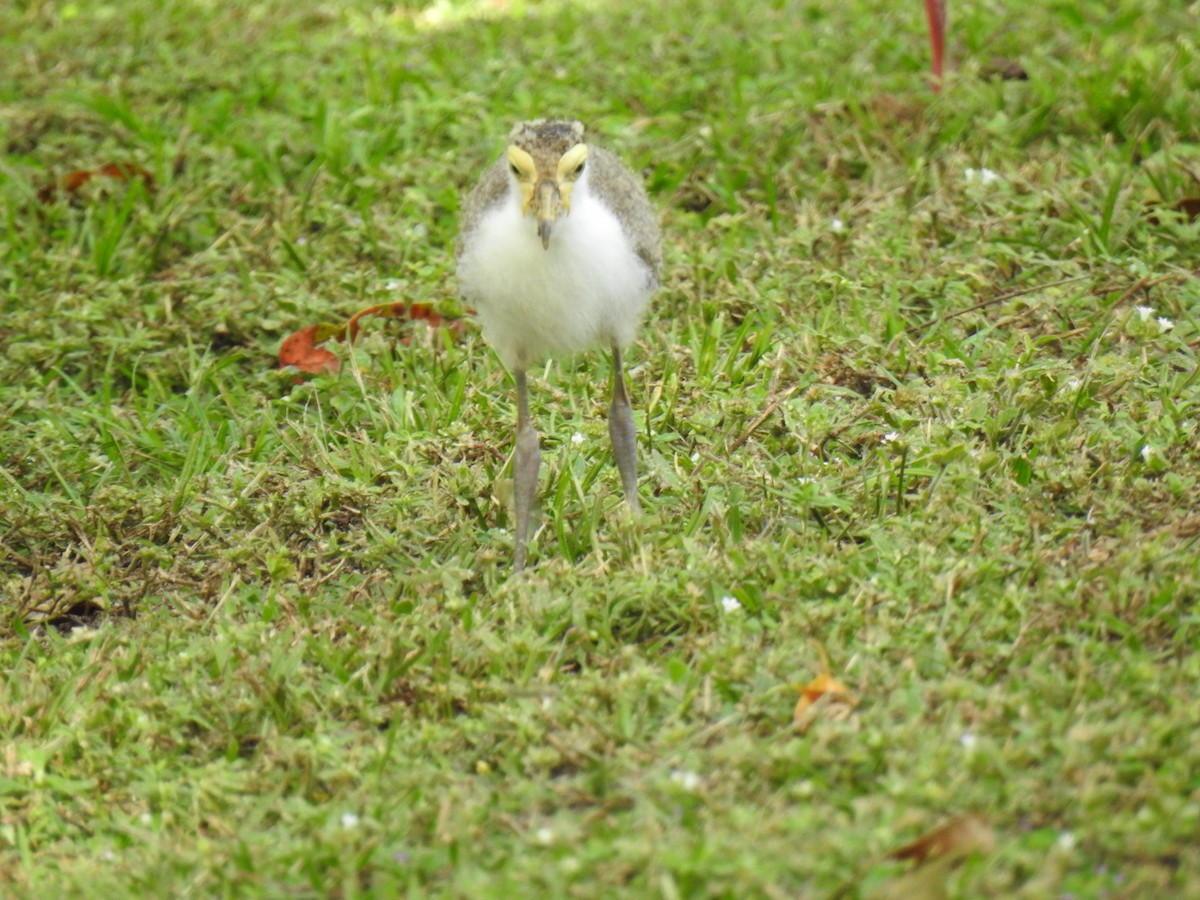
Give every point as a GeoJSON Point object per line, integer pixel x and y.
{"type": "Point", "coordinates": [918, 402]}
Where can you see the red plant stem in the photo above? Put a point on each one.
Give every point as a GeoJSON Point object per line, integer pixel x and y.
{"type": "Point", "coordinates": [935, 11]}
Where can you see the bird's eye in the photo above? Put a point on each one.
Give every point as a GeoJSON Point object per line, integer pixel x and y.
{"type": "Point", "coordinates": [579, 169]}
{"type": "Point", "coordinates": [513, 168]}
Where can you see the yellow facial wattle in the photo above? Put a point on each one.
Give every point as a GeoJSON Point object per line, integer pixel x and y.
{"type": "Point", "coordinates": [546, 188]}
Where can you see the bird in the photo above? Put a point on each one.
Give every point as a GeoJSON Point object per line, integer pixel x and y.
{"type": "Point", "coordinates": [559, 250]}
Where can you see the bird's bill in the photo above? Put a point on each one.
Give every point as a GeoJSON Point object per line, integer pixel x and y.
{"type": "Point", "coordinates": [549, 204]}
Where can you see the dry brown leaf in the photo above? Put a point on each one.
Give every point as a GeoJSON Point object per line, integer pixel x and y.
{"type": "Point", "coordinates": [954, 840]}
{"type": "Point", "coordinates": [927, 882]}
{"type": "Point", "coordinates": [936, 854]}
{"type": "Point", "coordinates": [1005, 69]}
{"type": "Point", "coordinates": [72, 182]}
{"type": "Point", "coordinates": [834, 698]}
{"type": "Point", "coordinates": [1188, 527]}
{"type": "Point", "coordinates": [1188, 207]}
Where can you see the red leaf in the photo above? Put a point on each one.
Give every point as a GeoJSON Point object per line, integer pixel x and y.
{"type": "Point", "coordinates": [415, 311]}
{"type": "Point", "coordinates": [300, 351]}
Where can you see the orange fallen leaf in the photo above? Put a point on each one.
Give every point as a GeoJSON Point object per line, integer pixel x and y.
{"type": "Point", "coordinates": [72, 182]}
{"type": "Point", "coordinates": [838, 700]}
{"type": "Point", "coordinates": [955, 840]}
{"type": "Point", "coordinates": [301, 350]}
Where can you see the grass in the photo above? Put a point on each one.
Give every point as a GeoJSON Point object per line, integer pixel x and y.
{"type": "Point", "coordinates": [919, 393]}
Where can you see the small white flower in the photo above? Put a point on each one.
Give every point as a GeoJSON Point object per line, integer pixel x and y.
{"type": "Point", "coordinates": [804, 479]}
{"type": "Point", "coordinates": [1144, 312]}
{"type": "Point", "coordinates": [545, 836]}
{"type": "Point", "coordinates": [349, 820]}
{"type": "Point", "coordinates": [577, 438]}
{"type": "Point", "coordinates": [983, 175]}
{"type": "Point", "coordinates": [1165, 324]}
{"type": "Point", "coordinates": [1147, 452]}
{"type": "Point", "coordinates": [730, 604]}
{"type": "Point", "coordinates": [1066, 840]}
{"type": "Point", "coordinates": [356, 221]}
{"type": "Point", "coordinates": [836, 225]}
{"type": "Point", "coordinates": [696, 456]}
{"type": "Point", "coordinates": [301, 241]}
{"type": "Point", "coordinates": [689, 781]}
{"type": "Point", "coordinates": [890, 437]}
{"type": "Point", "coordinates": [146, 819]}
{"type": "Point", "coordinates": [393, 284]}
{"type": "Point", "coordinates": [968, 740]}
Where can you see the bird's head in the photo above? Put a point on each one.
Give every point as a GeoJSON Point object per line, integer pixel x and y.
{"type": "Point", "coordinates": [546, 158]}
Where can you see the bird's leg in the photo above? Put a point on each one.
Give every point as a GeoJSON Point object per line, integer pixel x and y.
{"type": "Point", "coordinates": [621, 430]}
{"type": "Point", "coordinates": [525, 470]}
